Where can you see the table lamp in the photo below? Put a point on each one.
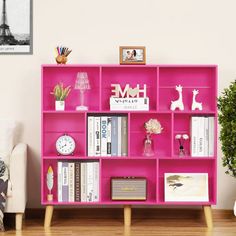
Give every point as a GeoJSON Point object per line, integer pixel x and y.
{"type": "Point", "coordinates": [82, 83]}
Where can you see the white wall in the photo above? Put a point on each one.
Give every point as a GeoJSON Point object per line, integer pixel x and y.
{"type": "Point", "coordinates": [183, 31]}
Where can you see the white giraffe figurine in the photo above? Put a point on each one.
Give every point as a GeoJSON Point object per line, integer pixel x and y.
{"type": "Point", "coordinates": [179, 102]}
{"type": "Point", "coordinates": [195, 104]}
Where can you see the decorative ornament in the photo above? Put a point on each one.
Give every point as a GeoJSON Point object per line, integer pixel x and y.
{"type": "Point", "coordinates": [61, 54]}
{"type": "Point", "coordinates": [195, 104]}
{"type": "Point", "coordinates": [50, 182]}
{"type": "Point", "coordinates": [152, 126]}
{"type": "Point", "coordinates": [128, 91]}
{"type": "Point", "coordinates": [179, 102]}
{"type": "Point", "coordinates": [181, 139]}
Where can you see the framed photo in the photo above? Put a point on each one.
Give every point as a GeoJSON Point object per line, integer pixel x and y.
{"type": "Point", "coordinates": [16, 27]}
{"type": "Point", "coordinates": [132, 55]}
{"type": "Point", "coordinates": [186, 187]}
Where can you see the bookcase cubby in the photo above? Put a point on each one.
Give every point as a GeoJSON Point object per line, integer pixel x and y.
{"type": "Point", "coordinates": [161, 81]}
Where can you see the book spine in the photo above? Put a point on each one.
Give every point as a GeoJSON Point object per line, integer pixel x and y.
{"type": "Point", "coordinates": [71, 166]}
{"type": "Point", "coordinates": [194, 136]}
{"type": "Point", "coordinates": [90, 187]}
{"type": "Point", "coordinates": [109, 136]}
{"type": "Point", "coordinates": [104, 136]}
{"type": "Point", "coordinates": [211, 136]}
{"type": "Point", "coordinates": [90, 147]}
{"type": "Point", "coordinates": [77, 181]}
{"type": "Point", "coordinates": [83, 181]}
{"type": "Point", "coordinates": [96, 181]}
{"type": "Point", "coordinates": [124, 136]}
{"type": "Point", "coordinates": [65, 182]}
{"type": "Point", "coordinates": [201, 140]}
{"type": "Point", "coordinates": [206, 136]}
{"type": "Point", "coordinates": [119, 137]}
{"type": "Point", "coordinates": [97, 136]}
{"type": "Point", "coordinates": [59, 181]}
{"type": "Point", "coordinates": [114, 136]}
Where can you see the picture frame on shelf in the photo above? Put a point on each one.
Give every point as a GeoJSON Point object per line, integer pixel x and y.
{"type": "Point", "coordinates": [186, 187]}
{"type": "Point", "coordinates": [132, 55]}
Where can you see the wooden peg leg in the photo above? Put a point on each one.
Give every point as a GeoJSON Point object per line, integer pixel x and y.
{"type": "Point", "coordinates": [127, 215]}
{"type": "Point", "coordinates": [48, 216]}
{"type": "Point", "coordinates": [208, 216]}
{"type": "Point", "coordinates": [19, 218]}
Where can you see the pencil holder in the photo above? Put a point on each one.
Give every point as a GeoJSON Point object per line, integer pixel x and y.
{"type": "Point", "coordinates": [61, 59]}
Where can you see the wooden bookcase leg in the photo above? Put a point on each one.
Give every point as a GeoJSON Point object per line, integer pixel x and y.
{"type": "Point", "coordinates": [208, 216]}
{"type": "Point", "coordinates": [19, 218]}
{"type": "Point", "coordinates": [127, 215]}
{"type": "Point", "coordinates": [48, 216]}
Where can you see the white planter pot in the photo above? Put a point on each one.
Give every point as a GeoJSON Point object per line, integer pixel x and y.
{"type": "Point", "coordinates": [60, 105]}
{"type": "Point", "coordinates": [235, 208]}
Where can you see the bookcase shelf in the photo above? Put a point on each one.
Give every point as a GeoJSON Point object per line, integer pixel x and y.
{"type": "Point", "coordinates": [161, 81]}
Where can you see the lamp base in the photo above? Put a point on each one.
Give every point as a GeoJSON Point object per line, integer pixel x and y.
{"type": "Point", "coordinates": [81, 108]}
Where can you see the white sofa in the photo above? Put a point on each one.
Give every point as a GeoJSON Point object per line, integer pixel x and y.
{"type": "Point", "coordinates": [17, 191]}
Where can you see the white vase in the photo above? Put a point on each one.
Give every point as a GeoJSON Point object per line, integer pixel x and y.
{"type": "Point", "coordinates": [235, 208]}
{"type": "Point", "coordinates": [60, 105]}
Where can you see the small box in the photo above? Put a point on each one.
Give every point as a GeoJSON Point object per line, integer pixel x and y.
{"type": "Point", "coordinates": [129, 188]}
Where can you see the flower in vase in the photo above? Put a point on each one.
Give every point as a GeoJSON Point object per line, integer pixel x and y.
{"type": "Point", "coordinates": [153, 126]}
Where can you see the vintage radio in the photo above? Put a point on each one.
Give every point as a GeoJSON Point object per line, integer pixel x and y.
{"type": "Point", "coordinates": [128, 188]}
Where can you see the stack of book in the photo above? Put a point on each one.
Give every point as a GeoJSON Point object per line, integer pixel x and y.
{"type": "Point", "coordinates": [107, 136]}
{"type": "Point", "coordinates": [78, 181]}
{"type": "Point", "coordinates": [202, 136]}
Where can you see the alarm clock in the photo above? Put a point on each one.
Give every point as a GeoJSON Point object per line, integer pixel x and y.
{"type": "Point", "coordinates": [65, 145]}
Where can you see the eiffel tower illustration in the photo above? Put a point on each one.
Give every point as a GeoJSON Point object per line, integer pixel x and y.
{"type": "Point", "coordinates": [6, 37]}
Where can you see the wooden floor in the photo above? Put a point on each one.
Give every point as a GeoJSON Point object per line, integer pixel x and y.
{"type": "Point", "coordinates": [172, 223]}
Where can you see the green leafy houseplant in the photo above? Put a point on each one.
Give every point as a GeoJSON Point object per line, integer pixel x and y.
{"type": "Point", "coordinates": [60, 93]}
{"type": "Point", "coordinates": [227, 120]}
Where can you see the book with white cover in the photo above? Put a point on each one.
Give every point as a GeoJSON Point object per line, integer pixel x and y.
{"type": "Point", "coordinates": [119, 136]}
{"type": "Point", "coordinates": [83, 178]}
{"type": "Point", "coordinates": [103, 135]}
{"type": "Point", "coordinates": [211, 136]}
{"type": "Point", "coordinates": [59, 181]}
{"type": "Point", "coordinates": [71, 167]}
{"type": "Point", "coordinates": [97, 134]}
{"type": "Point", "coordinates": [201, 137]}
{"type": "Point", "coordinates": [206, 136]}
{"type": "Point", "coordinates": [96, 181]}
{"type": "Point", "coordinates": [90, 180]}
{"type": "Point", "coordinates": [109, 121]}
{"type": "Point", "coordinates": [91, 136]}
{"type": "Point", "coordinates": [194, 136]}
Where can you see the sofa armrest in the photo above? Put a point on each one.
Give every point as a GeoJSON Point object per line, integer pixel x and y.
{"type": "Point", "coordinates": [18, 170]}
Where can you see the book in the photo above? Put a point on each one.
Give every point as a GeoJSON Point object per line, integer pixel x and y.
{"type": "Point", "coordinates": [90, 181]}
{"type": "Point", "coordinates": [65, 182]}
{"type": "Point", "coordinates": [135, 104]}
{"type": "Point", "coordinates": [104, 136]}
{"type": "Point", "coordinates": [114, 136]}
{"type": "Point", "coordinates": [201, 139]}
{"type": "Point", "coordinates": [206, 136]}
{"type": "Point", "coordinates": [211, 136]}
{"type": "Point", "coordinates": [83, 178]}
{"type": "Point", "coordinates": [90, 131]}
{"type": "Point", "coordinates": [71, 170]}
{"type": "Point", "coordinates": [97, 131]}
{"type": "Point", "coordinates": [194, 135]}
{"type": "Point", "coordinates": [109, 120]}
{"type": "Point", "coordinates": [119, 137]}
{"type": "Point", "coordinates": [124, 136]}
{"type": "Point", "coordinates": [96, 181]}
{"type": "Point", "coordinates": [59, 181]}
{"type": "Point", "coordinates": [77, 182]}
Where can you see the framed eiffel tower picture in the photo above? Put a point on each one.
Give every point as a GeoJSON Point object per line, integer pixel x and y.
{"type": "Point", "coordinates": [16, 27]}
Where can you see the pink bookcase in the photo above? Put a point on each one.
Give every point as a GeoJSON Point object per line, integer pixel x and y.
{"type": "Point", "coordinates": [161, 81]}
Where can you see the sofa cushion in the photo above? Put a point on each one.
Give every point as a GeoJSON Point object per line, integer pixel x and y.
{"type": "Point", "coordinates": [7, 133]}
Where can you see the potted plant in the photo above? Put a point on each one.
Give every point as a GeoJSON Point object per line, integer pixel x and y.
{"type": "Point", "coordinates": [227, 120]}
{"type": "Point", "coordinates": [60, 93]}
